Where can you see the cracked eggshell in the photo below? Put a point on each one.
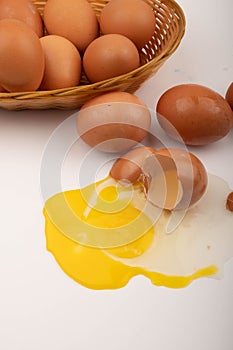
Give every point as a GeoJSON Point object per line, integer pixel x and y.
{"type": "Point", "coordinates": [172, 178]}
{"type": "Point", "coordinates": [162, 185]}
{"type": "Point", "coordinates": [229, 97]}
{"type": "Point", "coordinates": [128, 168]}
{"type": "Point", "coordinates": [229, 202]}
{"type": "Point", "coordinates": [191, 174]}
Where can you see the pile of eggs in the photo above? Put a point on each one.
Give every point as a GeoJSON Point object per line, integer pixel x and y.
{"type": "Point", "coordinates": [76, 42]}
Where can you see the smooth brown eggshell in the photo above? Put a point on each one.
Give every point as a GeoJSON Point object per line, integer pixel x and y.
{"type": "Point", "coordinates": [62, 63]}
{"type": "Point", "coordinates": [113, 122]}
{"type": "Point", "coordinates": [132, 18]}
{"type": "Point", "coordinates": [195, 113]}
{"type": "Point", "coordinates": [21, 57]}
{"type": "Point", "coordinates": [191, 173]}
{"type": "Point", "coordinates": [73, 19]}
{"type": "Point", "coordinates": [229, 96]}
{"type": "Point", "coordinates": [128, 168]}
{"type": "Point", "coordinates": [2, 89]}
{"type": "Point", "coordinates": [23, 10]}
{"type": "Point", "coordinates": [109, 56]}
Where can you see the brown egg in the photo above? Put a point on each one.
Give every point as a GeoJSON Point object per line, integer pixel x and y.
{"type": "Point", "coordinates": [73, 19]}
{"type": "Point", "coordinates": [190, 172]}
{"type": "Point", "coordinates": [128, 168]}
{"type": "Point", "coordinates": [113, 122]}
{"type": "Point", "coordinates": [21, 57]}
{"type": "Point", "coordinates": [2, 89]}
{"type": "Point", "coordinates": [62, 63]}
{"type": "Point", "coordinates": [132, 18]}
{"type": "Point", "coordinates": [195, 113]}
{"type": "Point", "coordinates": [229, 95]}
{"type": "Point", "coordinates": [23, 10]}
{"type": "Point", "coordinates": [109, 56]}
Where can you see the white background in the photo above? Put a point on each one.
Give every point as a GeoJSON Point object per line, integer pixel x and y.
{"type": "Point", "coordinates": [42, 308]}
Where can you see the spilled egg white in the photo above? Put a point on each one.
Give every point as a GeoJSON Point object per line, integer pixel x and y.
{"type": "Point", "coordinates": [203, 238]}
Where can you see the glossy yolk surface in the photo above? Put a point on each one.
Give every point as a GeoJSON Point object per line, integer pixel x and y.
{"type": "Point", "coordinates": [73, 227]}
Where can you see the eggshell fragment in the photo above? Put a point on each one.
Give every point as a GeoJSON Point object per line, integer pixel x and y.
{"type": "Point", "coordinates": [62, 63]}
{"type": "Point", "coordinates": [21, 57]}
{"type": "Point", "coordinates": [128, 168]}
{"type": "Point", "coordinates": [229, 203]}
{"type": "Point", "coordinates": [73, 19]}
{"type": "Point", "coordinates": [113, 122]}
{"type": "Point", "coordinates": [195, 113]}
{"type": "Point", "coordinates": [229, 96]}
{"type": "Point", "coordinates": [23, 10]}
{"type": "Point", "coordinates": [191, 174]}
{"type": "Point", "coordinates": [163, 187]}
{"type": "Point", "coordinates": [109, 56]}
{"type": "Point", "coordinates": [132, 18]}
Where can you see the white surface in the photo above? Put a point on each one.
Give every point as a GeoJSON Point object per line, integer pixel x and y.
{"type": "Point", "coordinates": [42, 308]}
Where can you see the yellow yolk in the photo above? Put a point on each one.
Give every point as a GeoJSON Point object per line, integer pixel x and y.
{"type": "Point", "coordinates": [79, 222]}
{"type": "Point", "coordinates": [94, 269]}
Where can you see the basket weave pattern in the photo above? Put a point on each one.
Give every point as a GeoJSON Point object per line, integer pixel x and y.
{"type": "Point", "coordinates": [169, 30]}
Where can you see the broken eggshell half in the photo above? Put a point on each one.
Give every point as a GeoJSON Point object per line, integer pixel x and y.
{"type": "Point", "coordinates": [191, 173]}
{"type": "Point", "coordinates": [128, 168]}
{"type": "Point", "coordinates": [162, 185]}
{"type": "Point", "coordinates": [173, 179]}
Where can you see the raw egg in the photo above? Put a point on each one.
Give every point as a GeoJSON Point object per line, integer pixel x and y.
{"type": "Point", "coordinates": [21, 57]}
{"type": "Point", "coordinates": [73, 19]}
{"type": "Point", "coordinates": [109, 56]}
{"type": "Point", "coordinates": [195, 113]}
{"type": "Point", "coordinates": [23, 10]}
{"type": "Point", "coordinates": [104, 234]}
{"type": "Point", "coordinates": [132, 18]}
{"type": "Point", "coordinates": [113, 122]}
{"type": "Point", "coordinates": [62, 63]}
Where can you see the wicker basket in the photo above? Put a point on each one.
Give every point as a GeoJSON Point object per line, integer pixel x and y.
{"type": "Point", "coordinates": [170, 27]}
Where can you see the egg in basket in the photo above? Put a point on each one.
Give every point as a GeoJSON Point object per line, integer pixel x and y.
{"type": "Point", "coordinates": [79, 51]}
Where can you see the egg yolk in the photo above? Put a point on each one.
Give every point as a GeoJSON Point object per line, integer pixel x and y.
{"type": "Point", "coordinates": [80, 222]}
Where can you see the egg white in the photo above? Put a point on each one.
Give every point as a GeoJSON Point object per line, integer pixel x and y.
{"type": "Point", "coordinates": [203, 237]}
